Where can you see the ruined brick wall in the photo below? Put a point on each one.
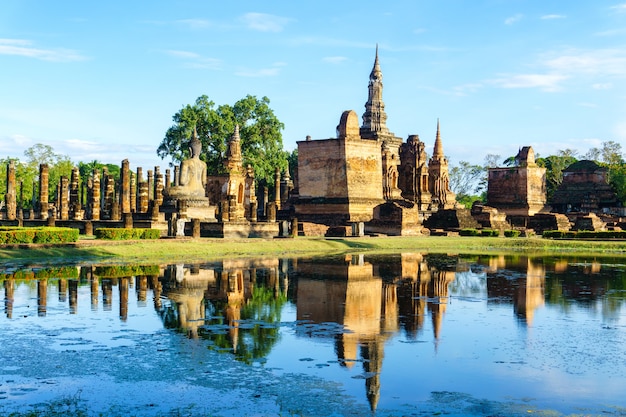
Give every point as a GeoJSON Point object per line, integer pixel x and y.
{"type": "Point", "coordinates": [322, 169]}
{"type": "Point", "coordinates": [517, 190]}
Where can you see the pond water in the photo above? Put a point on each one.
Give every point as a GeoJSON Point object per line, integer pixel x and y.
{"type": "Point", "coordinates": [408, 334]}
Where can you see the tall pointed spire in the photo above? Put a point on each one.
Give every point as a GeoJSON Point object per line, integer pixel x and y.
{"type": "Point", "coordinates": [234, 161]}
{"type": "Point", "coordinates": [438, 151]}
{"type": "Point", "coordinates": [375, 118]}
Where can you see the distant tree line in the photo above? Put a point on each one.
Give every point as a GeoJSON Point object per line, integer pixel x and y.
{"type": "Point", "coordinates": [469, 181]}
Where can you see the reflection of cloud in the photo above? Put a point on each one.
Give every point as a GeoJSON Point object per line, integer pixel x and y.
{"type": "Point", "coordinates": [553, 16]}
{"type": "Point", "coordinates": [263, 22]}
{"type": "Point", "coordinates": [334, 59]}
{"type": "Point", "coordinates": [546, 82]}
{"type": "Point", "coordinates": [25, 48]}
{"type": "Point", "coordinates": [513, 19]}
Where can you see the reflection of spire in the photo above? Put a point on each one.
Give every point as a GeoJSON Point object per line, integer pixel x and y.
{"type": "Point", "coordinates": [373, 353]}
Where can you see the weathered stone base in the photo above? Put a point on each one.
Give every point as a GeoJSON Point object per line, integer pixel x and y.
{"type": "Point", "coordinates": [397, 218]}
{"type": "Point", "coordinates": [454, 219]}
{"type": "Point", "coordinates": [236, 229]}
{"type": "Point", "coordinates": [589, 222]}
{"type": "Point", "coordinates": [489, 217]}
{"type": "Point", "coordinates": [547, 221]}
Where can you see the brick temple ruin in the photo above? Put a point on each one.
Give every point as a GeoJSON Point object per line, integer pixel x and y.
{"type": "Point", "coordinates": [366, 180]}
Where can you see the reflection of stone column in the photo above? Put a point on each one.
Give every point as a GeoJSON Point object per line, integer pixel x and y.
{"type": "Point", "coordinates": [123, 284]}
{"type": "Point", "coordinates": [157, 289]}
{"type": "Point", "coordinates": [73, 296]}
{"type": "Point", "coordinates": [9, 297]}
{"type": "Point", "coordinates": [94, 293]}
{"type": "Point", "coordinates": [62, 290]}
{"type": "Point", "coordinates": [42, 297]}
{"type": "Point", "coordinates": [107, 294]}
{"type": "Point", "coordinates": [43, 191]}
{"type": "Point", "coordinates": [141, 285]}
{"type": "Point", "coordinates": [10, 198]}
{"type": "Point", "coordinates": [125, 186]}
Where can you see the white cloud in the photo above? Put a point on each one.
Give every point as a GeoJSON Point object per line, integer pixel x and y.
{"type": "Point", "coordinates": [513, 19]}
{"type": "Point", "coordinates": [590, 105]}
{"type": "Point", "coordinates": [595, 62]}
{"type": "Point", "coordinates": [25, 48]}
{"type": "Point", "coordinates": [602, 86]}
{"type": "Point", "coordinates": [78, 145]}
{"type": "Point", "coordinates": [334, 59]}
{"type": "Point", "coordinates": [546, 82]}
{"type": "Point", "coordinates": [196, 23]}
{"type": "Point", "coordinates": [196, 61]}
{"type": "Point", "coordinates": [620, 8]}
{"type": "Point", "coordinates": [263, 22]}
{"type": "Point", "coordinates": [261, 72]}
{"type": "Point", "coordinates": [553, 16]}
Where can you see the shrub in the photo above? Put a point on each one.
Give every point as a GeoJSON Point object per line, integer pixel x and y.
{"type": "Point", "coordinates": [511, 233]}
{"type": "Point", "coordinates": [17, 235]}
{"type": "Point", "coordinates": [469, 232]}
{"type": "Point", "coordinates": [489, 232]}
{"type": "Point", "coordinates": [126, 234]}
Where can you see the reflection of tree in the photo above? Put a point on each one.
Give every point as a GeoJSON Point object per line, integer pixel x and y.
{"type": "Point", "coordinates": [258, 329]}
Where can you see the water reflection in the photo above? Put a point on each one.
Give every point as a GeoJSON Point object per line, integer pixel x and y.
{"type": "Point", "coordinates": [357, 303]}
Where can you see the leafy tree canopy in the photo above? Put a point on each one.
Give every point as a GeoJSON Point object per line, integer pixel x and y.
{"type": "Point", "coordinates": [259, 128]}
{"type": "Point", "coordinates": [27, 172]}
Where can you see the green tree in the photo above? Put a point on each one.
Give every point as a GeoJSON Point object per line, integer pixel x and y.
{"type": "Point", "coordinates": [555, 165]}
{"type": "Point", "coordinates": [259, 128]}
{"type": "Point", "coordinates": [468, 182]}
{"type": "Point", "coordinates": [27, 172]}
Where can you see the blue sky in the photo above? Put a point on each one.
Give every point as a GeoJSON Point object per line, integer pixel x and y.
{"type": "Point", "coordinates": [102, 80]}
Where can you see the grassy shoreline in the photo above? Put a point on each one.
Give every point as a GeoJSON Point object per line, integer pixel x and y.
{"type": "Point", "coordinates": [197, 250]}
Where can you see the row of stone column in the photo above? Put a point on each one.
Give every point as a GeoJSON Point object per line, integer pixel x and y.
{"type": "Point", "coordinates": [105, 200]}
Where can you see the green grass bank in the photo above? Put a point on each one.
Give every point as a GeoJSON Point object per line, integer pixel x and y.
{"type": "Point", "coordinates": [190, 250]}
